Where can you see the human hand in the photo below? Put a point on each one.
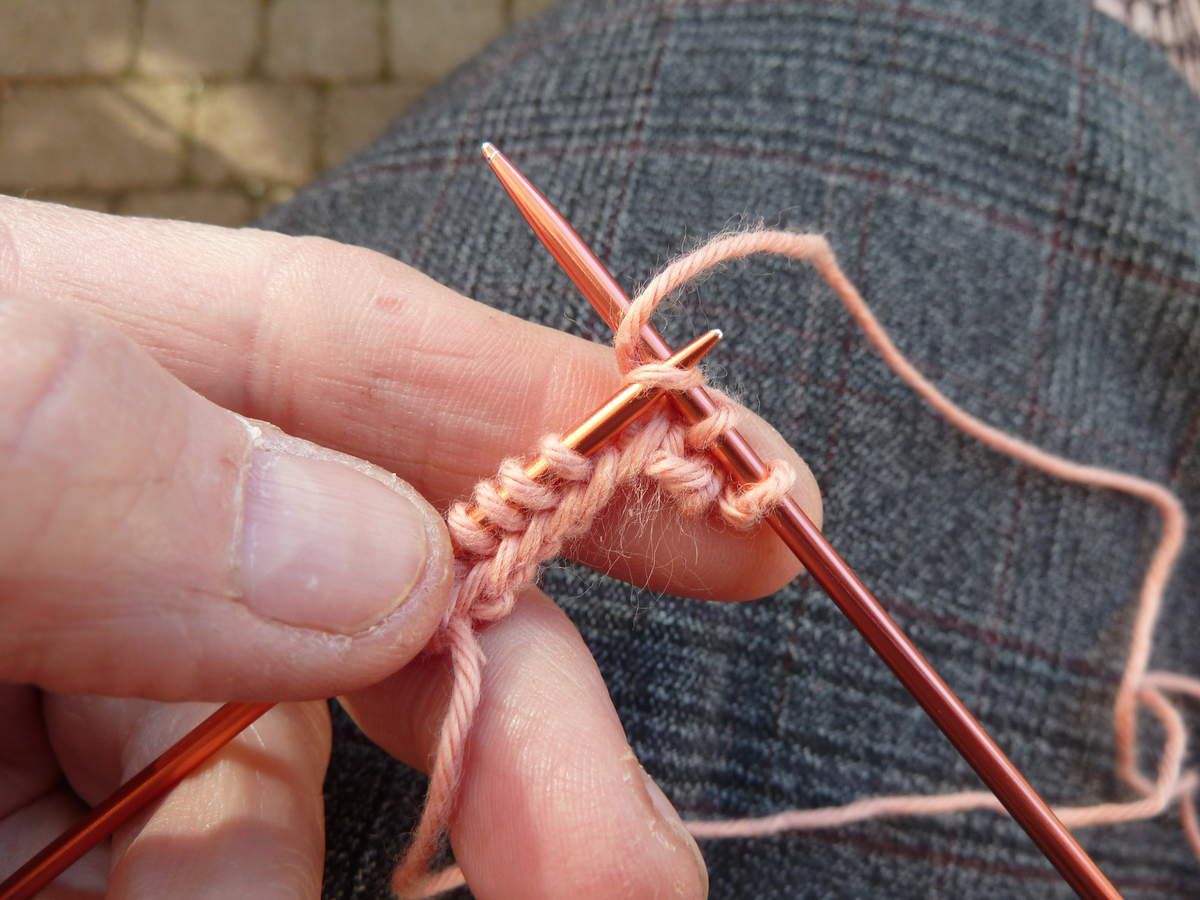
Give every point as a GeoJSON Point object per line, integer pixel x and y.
{"type": "Point", "coordinates": [155, 545]}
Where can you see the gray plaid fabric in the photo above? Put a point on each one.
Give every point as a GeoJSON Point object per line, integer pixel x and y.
{"type": "Point", "coordinates": [1013, 185]}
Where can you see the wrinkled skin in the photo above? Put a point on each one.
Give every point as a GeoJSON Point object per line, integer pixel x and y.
{"type": "Point", "coordinates": [129, 346]}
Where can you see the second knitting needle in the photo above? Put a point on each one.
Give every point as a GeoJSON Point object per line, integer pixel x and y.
{"type": "Point", "coordinates": [819, 557]}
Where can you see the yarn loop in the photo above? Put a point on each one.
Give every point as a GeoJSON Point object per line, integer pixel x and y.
{"type": "Point", "coordinates": [539, 518]}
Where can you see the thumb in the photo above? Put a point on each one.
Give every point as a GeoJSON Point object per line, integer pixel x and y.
{"type": "Point", "coordinates": [155, 544]}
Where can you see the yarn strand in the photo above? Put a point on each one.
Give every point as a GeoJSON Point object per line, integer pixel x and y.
{"type": "Point", "coordinates": [502, 558]}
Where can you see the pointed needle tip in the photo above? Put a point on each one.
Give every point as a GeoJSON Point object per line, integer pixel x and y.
{"type": "Point", "coordinates": [488, 149]}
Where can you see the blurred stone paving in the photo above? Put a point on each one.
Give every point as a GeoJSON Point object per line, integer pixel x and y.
{"type": "Point", "coordinates": [212, 110]}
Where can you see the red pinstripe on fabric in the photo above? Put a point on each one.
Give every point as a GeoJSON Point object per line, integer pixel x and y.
{"type": "Point", "coordinates": [1037, 363]}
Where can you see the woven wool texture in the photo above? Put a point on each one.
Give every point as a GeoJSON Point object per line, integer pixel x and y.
{"type": "Point", "coordinates": [1014, 187]}
{"type": "Point", "coordinates": [527, 523]}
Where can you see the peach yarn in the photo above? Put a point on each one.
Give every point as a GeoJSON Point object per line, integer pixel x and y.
{"type": "Point", "coordinates": [497, 562]}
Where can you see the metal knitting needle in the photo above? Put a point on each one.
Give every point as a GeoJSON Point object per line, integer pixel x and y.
{"type": "Point", "coordinates": [132, 797]}
{"type": "Point", "coordinates": [587, 437]}
{"type": "Point", "coordinates": [612, 417]}
{"type": "Point", "coordinates": [819, 557]}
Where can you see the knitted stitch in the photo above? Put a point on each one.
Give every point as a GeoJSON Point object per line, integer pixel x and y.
{"type": "Point", "coordinates": [528, 521]}
{"type": "Point", "coordinates": [500, 559]}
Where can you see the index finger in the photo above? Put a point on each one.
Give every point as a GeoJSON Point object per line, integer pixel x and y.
{"type": "Point", "coordinates": [359, 352]}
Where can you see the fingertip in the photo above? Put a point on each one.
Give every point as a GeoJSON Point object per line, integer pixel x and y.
{"type": "Point", "coordinates": [682, 865]}
{"type": "Point", "coordinates": [185, 552]}
{"type": "Point", "coordinates": [335, 543]}
{"type": "Point", "coordinates": [589, 820]}
{"type": "Point", "coordinates": [553, 802]}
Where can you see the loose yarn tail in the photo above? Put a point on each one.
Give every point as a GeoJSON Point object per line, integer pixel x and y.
{"type": "Point", "coordinates": [1135, 688]}
{"type": "Point", "coordinates": [532, 525]}
{"type": "Point", "coordinates": [466, 662]}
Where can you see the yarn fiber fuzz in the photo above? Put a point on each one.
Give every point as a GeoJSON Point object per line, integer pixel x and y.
{"type": "Point", "coordinates": [538, 518]}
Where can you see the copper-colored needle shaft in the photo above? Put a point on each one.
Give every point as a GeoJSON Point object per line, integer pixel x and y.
{"type": "Point", "coordinates": [611, 418]}
{"type": "Point", "coordinates": [821, 560]}
{"type": "Point", "coordinates": [588, 436]}
{"type": "Point", "coordinates": [144, 788]}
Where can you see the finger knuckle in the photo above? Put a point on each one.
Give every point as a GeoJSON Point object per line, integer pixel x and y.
{"type": "Point", "coordinates": [303, 272]}
{"type": "Point", "coordinates": [44, 349]}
